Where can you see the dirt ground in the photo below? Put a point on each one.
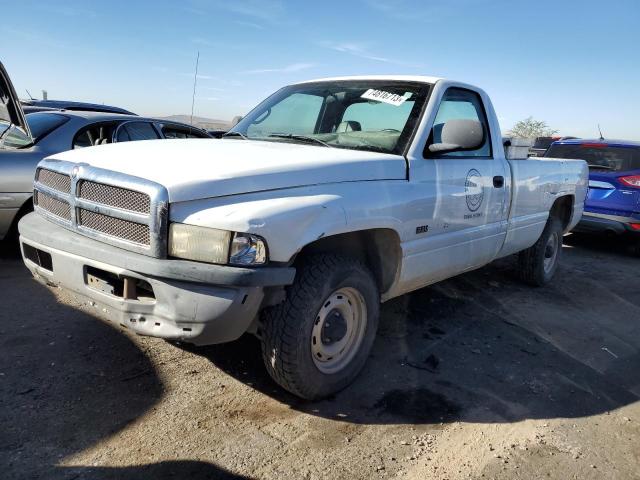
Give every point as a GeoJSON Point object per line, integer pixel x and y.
{"type": "Point", "coordinates": [476, 377]}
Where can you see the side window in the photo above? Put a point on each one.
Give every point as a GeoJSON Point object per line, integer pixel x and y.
{"type": "Point", "coordinates": [82, 139]}
{"type": "Point", "coordinates": [461, 104]}
{"type": "Point", "coordinates": [94, 134]}
{"type": "Point", "coordinates": [172, 131]}
{"type": "Point", "coordinates": [133, 131]}
{"type": "Point", "coordinates": [296, 114]}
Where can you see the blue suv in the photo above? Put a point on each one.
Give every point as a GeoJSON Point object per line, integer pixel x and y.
{"type": "Point", "coordinates": [613, 201]}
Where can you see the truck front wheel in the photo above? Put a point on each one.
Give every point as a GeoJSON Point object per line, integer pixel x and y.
{"type": "Point", "coordinates": [316, 342]}
{"type": "Point", "coordinates": [538, 263]}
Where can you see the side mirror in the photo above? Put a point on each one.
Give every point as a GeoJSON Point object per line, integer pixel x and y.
{"type": "Point", "coordinates": [459, 135]}
{"type": "Point", "coordinates": [236, 120]}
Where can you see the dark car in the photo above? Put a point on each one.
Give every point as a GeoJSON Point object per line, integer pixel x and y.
{"type": "Point", "coordinates": [542, 144]}
{"type": "Point", "coordinates": [32, 106]}
{"type": "Point", "coordinates": [613, 200]}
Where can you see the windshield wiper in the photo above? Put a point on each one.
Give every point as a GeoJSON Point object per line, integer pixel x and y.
{"type": "Point", "coordinates": [301, 137]}
{"type": "Point", "coordinates": [235, 134]}
{"type": "Point", "coordinates": [592, 165]}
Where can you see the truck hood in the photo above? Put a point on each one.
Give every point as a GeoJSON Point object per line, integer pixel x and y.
{"type": "Point", "coordinates": [192, 169]}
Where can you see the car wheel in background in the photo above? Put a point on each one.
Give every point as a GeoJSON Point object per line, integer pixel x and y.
{"type": "Point", "coordinates": [10, 242]}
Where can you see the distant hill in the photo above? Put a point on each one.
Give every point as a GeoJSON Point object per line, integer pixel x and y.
{"type": "Point", "coordinates": [202, 122]}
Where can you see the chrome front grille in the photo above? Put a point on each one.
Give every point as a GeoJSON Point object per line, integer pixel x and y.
{"type": "Point", "coordinates": [125, 211]}
{"type": "Point", "coordinates": [116, 227]}
{"type": "Point", "coordinates": [114, 196]}
{"type": "Point", "coordinates": [52, 205]}
{"type": "Point", "coordinates": [55, 180]}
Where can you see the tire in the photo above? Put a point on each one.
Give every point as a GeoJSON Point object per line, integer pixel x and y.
{"type": "Point", "coordinates": [538, 263]}
{"type": "Point", "coordinates": [632, 243]}
{"type": "Point", "coordinates": [316, 342]}
{"type": "Point", "coordinates": [10, 244]}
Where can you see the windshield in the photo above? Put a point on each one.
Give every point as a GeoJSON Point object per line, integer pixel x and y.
{"type": "Point", "coordinates": [40, 124]}
{"type": "Point", "coordinates": [616, 158]}
{"type": "Point", "coordinates": [378, 116]}
{"type": "Point", "coordinates": [544, 142]}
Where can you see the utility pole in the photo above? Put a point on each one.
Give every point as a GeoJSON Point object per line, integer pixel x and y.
{"type": "Point", "coordinates": [195, 81]}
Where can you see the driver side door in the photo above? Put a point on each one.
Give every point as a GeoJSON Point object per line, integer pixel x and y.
{"type": "Point", "coordinates": [465, 195]}
{"type": "Point", "coordinates": [472, 186]}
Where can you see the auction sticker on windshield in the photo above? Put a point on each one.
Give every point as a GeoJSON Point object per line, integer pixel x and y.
{"type": "Point", "coordinates": [386, 97]}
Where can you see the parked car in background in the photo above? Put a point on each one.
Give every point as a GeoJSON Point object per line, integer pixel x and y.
{"type": "Point", "coordinates": [32, 106]}
{"type": "Point", "coordinates": [542, 144]}
{"type": "Point", "coordinates": [613, 199]}
{"type": "Point", "coordinates": [27, 139]}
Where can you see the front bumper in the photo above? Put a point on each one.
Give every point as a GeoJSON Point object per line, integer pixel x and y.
{"type": "Point", "coordinates": [601, 223]}
{"type": "Point", "coordinates": [172, 299]}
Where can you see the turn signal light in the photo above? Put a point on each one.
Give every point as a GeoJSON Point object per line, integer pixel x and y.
{"type": "Point", "coordinates": [631, 181]}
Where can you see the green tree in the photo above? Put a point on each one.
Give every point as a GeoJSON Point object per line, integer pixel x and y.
{"type": "Point", "coordinates": [530, 128]}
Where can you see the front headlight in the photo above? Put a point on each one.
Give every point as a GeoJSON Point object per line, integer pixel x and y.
{"type": "Point", "coordinates": [216, 246]}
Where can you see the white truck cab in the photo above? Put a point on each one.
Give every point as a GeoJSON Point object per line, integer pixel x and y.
{"type": "Point", "coordinates": [329, 197]}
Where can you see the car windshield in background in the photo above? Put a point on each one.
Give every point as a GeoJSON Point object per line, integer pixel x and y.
{"type": "Point", "coordinates": [543, 142]}
{"type": "Point", "coordinates": [40, 124]}
{"type": "Point", "coordinates": [361, 115]}
{"type": "Point", "coordinates": [607, 157]}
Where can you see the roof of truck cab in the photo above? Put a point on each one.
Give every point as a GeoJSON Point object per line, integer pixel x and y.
{"type": "Point", "coordinates": [393, 78]}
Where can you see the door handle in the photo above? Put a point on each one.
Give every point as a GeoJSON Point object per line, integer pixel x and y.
{"type": "Point", "coordinates": [498, 181]}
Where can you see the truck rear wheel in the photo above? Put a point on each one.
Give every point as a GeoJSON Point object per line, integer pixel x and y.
{"type": "Point", "coordinates": [538, 263]}
{"type": "Point", "coordinates": [316, 342]}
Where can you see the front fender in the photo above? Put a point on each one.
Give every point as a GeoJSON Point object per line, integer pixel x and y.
{"type": "Point", "coordinates": [287, 221]}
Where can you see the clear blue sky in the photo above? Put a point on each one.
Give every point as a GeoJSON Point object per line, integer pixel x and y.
{"type": "Point", "coordinates": [571, 63]}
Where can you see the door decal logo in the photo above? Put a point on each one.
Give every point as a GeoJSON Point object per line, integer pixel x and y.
{"type": "Point", "coordinates": [473, 190]}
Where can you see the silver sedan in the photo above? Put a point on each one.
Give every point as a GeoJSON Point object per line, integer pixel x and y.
{"type": "Point", "coordinates": [53, 132]}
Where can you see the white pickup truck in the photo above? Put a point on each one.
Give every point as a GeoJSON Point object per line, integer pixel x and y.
{"type": "Point", "coordinates": [329, 197]}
